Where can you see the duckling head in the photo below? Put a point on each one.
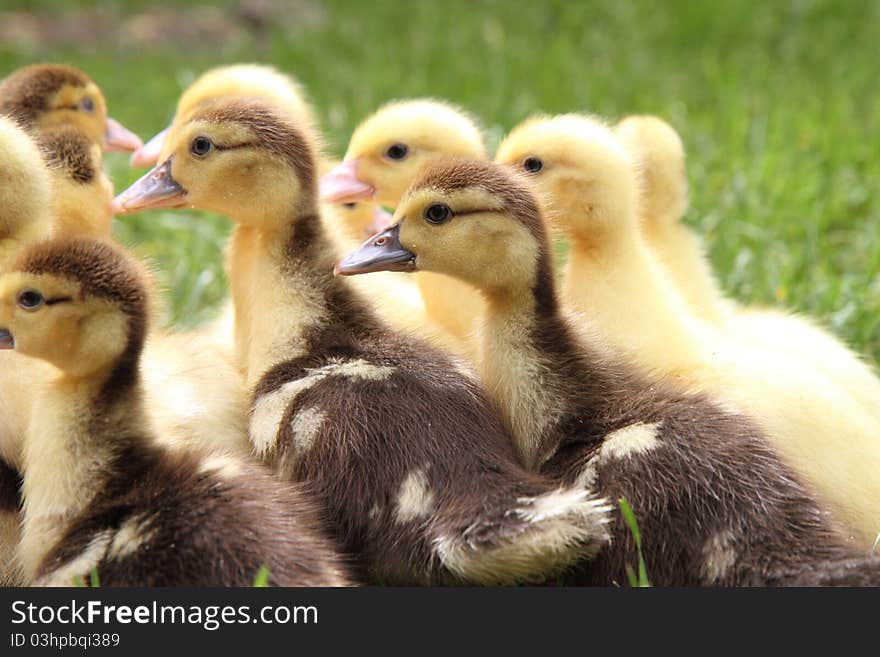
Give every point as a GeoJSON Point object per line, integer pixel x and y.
{"type": "Point", "coordinates": [24, 185]}
{"type": "Point", "coordinates": [80, 305]}
{"type": "Point", "coordinates": [582, 173]}
{"type": "Point", "coordinates": [389, 148]}
{"type": "Point", "coordinates": [659, 155]}
{"type": "Point", "coordinates": [238, 80]}
{"type": "Point", "coordinates": [243, 158]}
{"type": "Point", "coordinates": [43, 97]}
{"type": "Point", "coordinates": [471, 219]}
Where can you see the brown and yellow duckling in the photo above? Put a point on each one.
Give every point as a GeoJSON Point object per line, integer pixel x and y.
{"type": "Point", "coordinates": [715, 505]}
{"type": "Point", "coordinates": [400, 443]}
{"type": "Point", "coordinates": [585, 177]}
{"type": "Point", "coordinates": [99, 490]}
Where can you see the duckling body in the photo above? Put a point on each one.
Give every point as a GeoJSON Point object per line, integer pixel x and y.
{"type": "Point", "coordinates": [658, 149]}
{"type": "Point", "coordinates": [715, 505]}
{"type": "Point", "coordinates": [396, 438]}
{"type": "Point", "coordinates": [384, 155]}
{"type": "Point", "coordinates": [100, 491]}
{"type": "Point", "coordinates": [24, 219]}
{"type": "Point", "coordinates": [821, 431]}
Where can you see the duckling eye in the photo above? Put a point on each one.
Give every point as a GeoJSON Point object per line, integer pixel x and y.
{"type": "Point", "coordinates": [532, 164]}
{"type": "Point", "coordinates": [201, 146]}
{"type": "Point", "coordinates": [437, 213]}
{"type": "Point", "coordinates": [30, 299]}
{"type": "Point", "coordinates": [87, 104]}
{"type": "Point", "coordinates": [396, 151]}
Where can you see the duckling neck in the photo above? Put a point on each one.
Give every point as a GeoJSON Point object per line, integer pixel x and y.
{"type": "Point", "coordinates": [78, 427]}
{"type": "Point", "coordinates": [530, 361]}
{"type": "Point", "coordinates": [284, 290]}
{"type": "Point", "coordinates": [634, 305]}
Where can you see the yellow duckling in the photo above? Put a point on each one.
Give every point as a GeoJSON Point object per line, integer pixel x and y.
{"type": "Point", "coordinates": [611, 276]}
{"type": "Point", "coordinates": [659, 156]}
{"type": "Point", "coordinates": [24, 219]}
{"type": "Point", "coordinates": [25, 192]}
{"type": "Point", "coordinates": [384, 155]}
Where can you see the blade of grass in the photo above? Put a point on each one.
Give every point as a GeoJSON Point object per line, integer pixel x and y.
{"type": "Point", "coordinates": [630, 519]}
{"type": "Point", "coordinates": [262, 579]}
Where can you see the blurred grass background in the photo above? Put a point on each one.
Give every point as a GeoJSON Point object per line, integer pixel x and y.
{"type": "Point", "coordinates": [778, 104]}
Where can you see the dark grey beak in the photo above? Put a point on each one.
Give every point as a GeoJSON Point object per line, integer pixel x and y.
{"type": "Point", "coordinates": [6, 339]}
{"type": "Point", "coordinates": [382, 252]}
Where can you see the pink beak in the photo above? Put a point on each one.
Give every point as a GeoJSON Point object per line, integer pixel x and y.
{"type": "Point", "coordinates": [148, 154]}
{"type": "Point", "coordinates": [120, 138]}
{"type": "Point", "coordinates": [342, 185]}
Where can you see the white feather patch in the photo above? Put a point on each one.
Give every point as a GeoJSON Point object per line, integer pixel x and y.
{"type": "Point", "coordinates": [414, 500]}
{"type": "Point", "coordinates": [269, 409]}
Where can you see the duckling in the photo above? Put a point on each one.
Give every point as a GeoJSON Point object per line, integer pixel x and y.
{"type": "Point", "coordinates": [66, 112]}
{"type": "Point", "coordinates": [821, 432]}
{"type": "Point", "coordinates": [385, 153]}
{"type": "Point", "coordinates": [715, 505]}
{"type": "Point", "coordinates": [658, 148]}
{"type": "Point", "coordinates": [397, 438]}
{"type": "Point", "coordinates": [24, 192]}
{"type": "Point", "coordinates": [658, 154]}
{"type": "Point", "coordinates": [10, 532]}
{"type": "Point", "coordinates": [24, 219]}
{"type": "Point", "coordinates": [99, 491]}
{"type": "Point", "coordinates": [195, 391]}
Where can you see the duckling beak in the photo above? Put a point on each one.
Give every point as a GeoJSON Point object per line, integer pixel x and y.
{"type": "Point", "coordinates": [120, 138]}
{"type": "Point", "coordinates": [342, 185]}
{"type": "Point", "coordinates": [382, 252]}
{"type": "Point", "coordinates": [148, 154]}
{"type": "Point", "coordinates": [6, 339]}
{"type": "Point", "coordinates": [155, 189]}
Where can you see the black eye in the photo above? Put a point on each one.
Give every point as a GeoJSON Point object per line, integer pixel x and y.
{"type": "Point", "coordinates": [350, 206]}
{"type": "Point", "coordinates": [438, 213]}
{"type": "Point", "coordinates": [30, 299]}
{"type": "Point", "coordinates": [532, 164]}
{"type": "Point", "coordinates": [201, 146]}
{"type": "Point", "coordinates": [87, 104]}
{"type": "Point", "coordinates": [396, 152]}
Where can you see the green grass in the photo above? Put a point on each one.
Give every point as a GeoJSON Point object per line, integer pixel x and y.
{"type": "Point", "coordinates": [778, 104]}
{"type": "Point", "coordinates": [639, 580]}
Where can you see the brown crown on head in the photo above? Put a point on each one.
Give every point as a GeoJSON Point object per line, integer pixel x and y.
{"type": "Point", "coordinates": [102, 270]}
{"type": "Point", "coordinates": [272, 129]}
{"type": "Point", "coordinates": [451, 174]}
{"type": "Point", "coordinates": [25, 93]}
